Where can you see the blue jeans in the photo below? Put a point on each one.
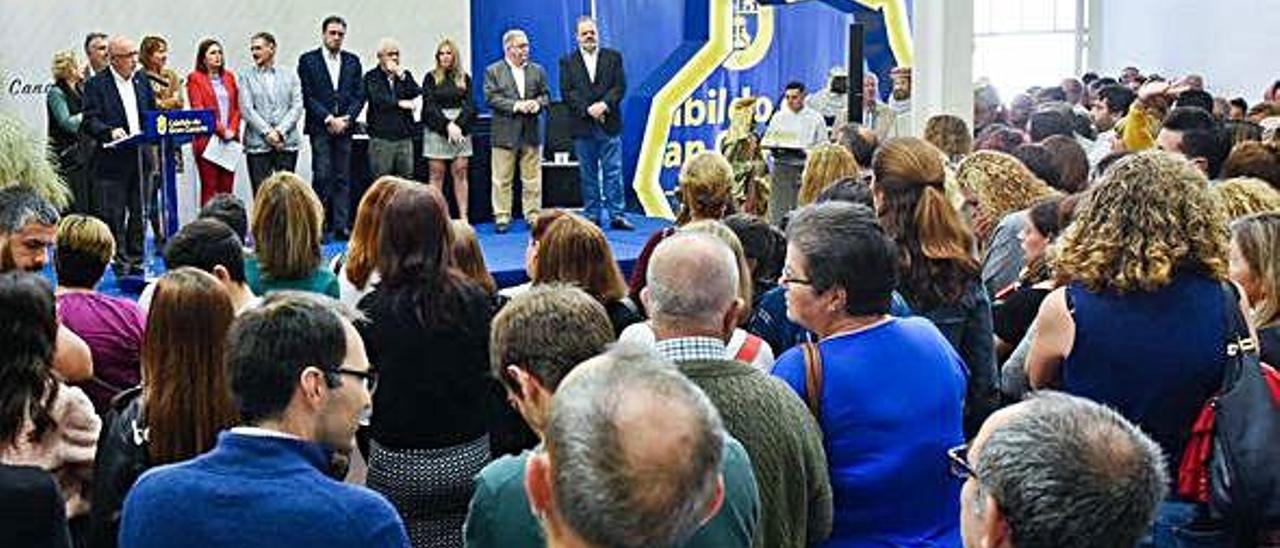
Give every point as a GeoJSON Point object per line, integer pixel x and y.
{"type": "Point", "coordinates": [600, 172]}
{"type": "Point", "coordinates": [1176, 527]}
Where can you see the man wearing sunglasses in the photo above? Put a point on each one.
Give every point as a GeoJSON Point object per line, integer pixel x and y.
{"type": "Point", "coordinates": [1058, 470]}
{"type": "Point", "coordinates": [302, 381]}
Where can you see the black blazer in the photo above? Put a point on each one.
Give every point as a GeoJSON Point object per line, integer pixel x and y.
{"type": "Point", "coordinates": [103, 112]}
{"type": "Point", "coordinates": [385, 119]}
{"type": "Point", "coordinates": [318, 96]}
{"type": "Point", "coordinates": [579, 92]}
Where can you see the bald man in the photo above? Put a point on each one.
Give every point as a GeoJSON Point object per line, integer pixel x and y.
{"type": "Point", "coordinates": [692, 318]}
{"type": "Point", "coordinates": [615, 421]}
{"type": "Point", "coordinates": [114, 101]}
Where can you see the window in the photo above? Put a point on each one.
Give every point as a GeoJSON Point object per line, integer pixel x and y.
{"type": "Point", "coordinates": [1022, 43]}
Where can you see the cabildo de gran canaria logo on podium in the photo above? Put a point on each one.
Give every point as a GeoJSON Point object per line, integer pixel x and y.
{"type": "Point", "coordinates": [179, 123]}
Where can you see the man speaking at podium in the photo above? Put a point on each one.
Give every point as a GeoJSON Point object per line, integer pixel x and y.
{"type": "Point", "coordinates": [114, 101]}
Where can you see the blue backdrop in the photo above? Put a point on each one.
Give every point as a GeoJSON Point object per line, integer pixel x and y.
{"type": "Point", "coordinates": [686, 60]}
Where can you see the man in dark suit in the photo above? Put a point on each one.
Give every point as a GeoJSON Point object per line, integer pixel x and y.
{"type": "Point", "coordinates": [592, 84]}
{"type": "Point", "coordinates": [114, 101]}
{"type": "Point", "coordinates": [333, 94]}
{"type": "Point", "coordinates": [516, 91]}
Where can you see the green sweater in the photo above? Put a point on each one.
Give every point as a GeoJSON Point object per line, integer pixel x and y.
{"type": "Point", "coordinates": [321, 280]}
{"type": "Point", "coordinates": [499, 515]}
{"type": "Point", "coordinates": [785, 445]}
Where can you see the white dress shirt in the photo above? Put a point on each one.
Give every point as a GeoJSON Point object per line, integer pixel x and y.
{"type": "Point", "coordinates": [333, 60]}
{"type": "Point", "coordinates": [590, 60]}
{"type": "Point", "coordinates": [517, 74]}
{"type": "Point", "coordinates": [124, 86]}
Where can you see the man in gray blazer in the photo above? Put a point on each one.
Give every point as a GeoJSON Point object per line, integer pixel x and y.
{"type": "Point", "coordinates": [516, 91]}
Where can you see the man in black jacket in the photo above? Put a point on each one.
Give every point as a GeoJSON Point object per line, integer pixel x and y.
{"type": "Point", "coordinates": [114, 102]}
{"type": "Point", "coordinates": [592, 83]}
{"type": "Point", "coordinates": [391, 90]}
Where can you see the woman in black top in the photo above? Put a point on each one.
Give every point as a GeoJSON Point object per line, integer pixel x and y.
{"type": "Point", "coordinates": [1255, 265]}
{"type": "Point", "coordinates": [1015, 306]}
{"type": "Point", "coordinates": [68, 146]}
{"type": "Point", "coordinates": [427, 335]}
{"type": "Point", "coordinates": [447, 111]}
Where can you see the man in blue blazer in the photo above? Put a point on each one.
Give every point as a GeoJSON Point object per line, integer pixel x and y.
{"type": "Point", "coordinates": [333, 94]}
{"type": "Point", "coordinates": [592, 84]}
{"type": "Point", "coordinates": [114, 101]}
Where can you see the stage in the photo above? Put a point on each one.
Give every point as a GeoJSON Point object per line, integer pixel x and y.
{"type": "Point", "coordinates": [503, 253]}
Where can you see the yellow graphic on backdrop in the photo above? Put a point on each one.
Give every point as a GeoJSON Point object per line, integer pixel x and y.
{"type": "Point", "coordinates": [727, 31]}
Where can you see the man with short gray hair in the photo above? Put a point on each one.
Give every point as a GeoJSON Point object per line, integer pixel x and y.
{"type": "Point", "coordinates": [632, 458]}
{"type": "Point", "coordinates": [391, 90]}
{"type": "Point", "coordinates": [692, 317]}
{"type": "Point", "coordinates": [1058, 470]}
{"type": "Point", "coordinates": [28, 225]}
{"type": "Point", "coordinates": [516, 91]}
{"type": "Point", "coordinates": [538, 339]}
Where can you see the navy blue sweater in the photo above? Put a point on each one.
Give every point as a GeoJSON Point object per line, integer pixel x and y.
{"type": "Point", "coordinates": [255, 491]}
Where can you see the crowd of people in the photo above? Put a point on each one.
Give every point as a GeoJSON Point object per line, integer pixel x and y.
{"type": "Point", "coordinates": [997, 336]}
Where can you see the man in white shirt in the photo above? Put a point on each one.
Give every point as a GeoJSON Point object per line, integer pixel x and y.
{"type": "Point", "coordinates": [793, 130]}
{"type": "Point", "coordinates": [516, 91]}
{"type": "Point", "coordinates": [332, 95]}
{"type": "Point", "coordinates": [1110, 107]}
{"type": "Point", "coordinates": [114, 101]}
{"type": "Point", "coordinates": [592, 84]}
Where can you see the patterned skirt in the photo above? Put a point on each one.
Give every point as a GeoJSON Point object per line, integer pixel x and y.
{"type": "Point", "coordinates": [430, 488]}
{"type": "Point", "coordinates": [437, 147]}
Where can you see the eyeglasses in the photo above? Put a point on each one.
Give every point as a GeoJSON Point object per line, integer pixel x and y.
{"type": "Point", "coordinates": [958, 456]}
{"type": "Point", "coordinates": [368, 378]}
{"type": "Point", "coordinates": [789, 278]}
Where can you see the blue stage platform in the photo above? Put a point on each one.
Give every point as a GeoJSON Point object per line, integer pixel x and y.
{"type": "Point", "coordinates": [503, 253]}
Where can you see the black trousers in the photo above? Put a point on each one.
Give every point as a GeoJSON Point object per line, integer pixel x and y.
{"type": "Point", "coordinates": [263, 164]}
{"type": "Point", "coordinates": [118, 190]}
{"type": "Point", "coordinates": [331, 178]}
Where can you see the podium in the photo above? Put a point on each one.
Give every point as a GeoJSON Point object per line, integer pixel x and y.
{"type": "Point", "coordinates": [170, 129]}
{"type": "Point", "coordinates": [166, 129]}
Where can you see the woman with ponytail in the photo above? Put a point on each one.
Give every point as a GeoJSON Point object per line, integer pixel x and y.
{"type": "Point", "coordinates": [938, 274]}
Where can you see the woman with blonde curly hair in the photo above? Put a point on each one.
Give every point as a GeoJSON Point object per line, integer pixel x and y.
{"type": "Point", "coordinates": [937, 273]}
{"type": "Point", "coordinates": [1139, 324]}
{"type": "Point", "coordinates": [1242, 196]}
{"type": "Point", "coordinates": [996, 185]}
{"type": "Point", "coordinates": [951, 135]}
{"type": "Point", "coordinates": [827, 164]}
{"type": "Point", "coordinates": [1255, 265]}
{"type": "Point", "coordinates": [287, 224]}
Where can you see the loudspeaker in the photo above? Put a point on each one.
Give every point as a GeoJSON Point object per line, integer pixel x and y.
{"type": "Point", "coordinates": [857, 34]}
{"type": "Point", "coordinates": [559, 136]}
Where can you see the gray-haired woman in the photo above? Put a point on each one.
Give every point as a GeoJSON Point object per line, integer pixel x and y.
{"type": "Point", "coordinates": [891, 399]}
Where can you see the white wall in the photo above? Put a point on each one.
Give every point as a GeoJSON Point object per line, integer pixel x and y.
{"type": "Point", "coordinates": [31, 31]}
{"type": "Point", "coordinates": [1233, 43]}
